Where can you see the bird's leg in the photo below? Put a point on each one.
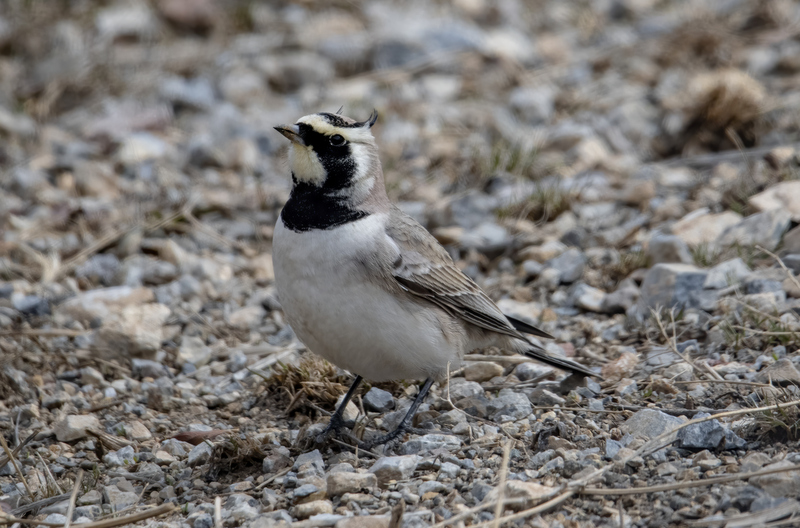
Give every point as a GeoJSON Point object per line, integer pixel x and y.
{"type": "Point", "coordinates": [404, 425]}
{"type": "Point", "coordinates": [337, 421]}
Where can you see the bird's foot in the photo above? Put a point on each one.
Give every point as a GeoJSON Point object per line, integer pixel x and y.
{"type": "Point", "coordinates": [387, 438]}
{"type": "Point", "coordinates": [333, 428]}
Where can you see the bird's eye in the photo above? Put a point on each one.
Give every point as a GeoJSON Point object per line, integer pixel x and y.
{"type": "Point", "coordinates": [337, 140]}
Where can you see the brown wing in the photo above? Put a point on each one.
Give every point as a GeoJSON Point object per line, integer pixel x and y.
{"type": "Point", "coordinates": [425, 269]}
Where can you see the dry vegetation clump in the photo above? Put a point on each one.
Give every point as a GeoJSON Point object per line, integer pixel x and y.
{"type": "Point", "coordinates": [237, 452]}
{"type": "Point", "coordinates": [720, 110]}
{"type": "Point", "coordinates": [544, 204]}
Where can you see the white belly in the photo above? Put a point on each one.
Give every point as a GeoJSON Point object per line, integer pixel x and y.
{"type": "Point", "coordinates": [347, 319]}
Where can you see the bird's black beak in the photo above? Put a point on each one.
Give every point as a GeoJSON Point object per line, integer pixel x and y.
{"type": "Point", "coordinates": [292, 133]}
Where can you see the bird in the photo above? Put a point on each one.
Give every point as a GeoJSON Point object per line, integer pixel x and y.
{"type": "Point", "coordinates": [364, 285]}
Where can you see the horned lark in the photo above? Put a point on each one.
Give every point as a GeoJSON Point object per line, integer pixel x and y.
{"type": "Point", "coordinates": [364, 285]}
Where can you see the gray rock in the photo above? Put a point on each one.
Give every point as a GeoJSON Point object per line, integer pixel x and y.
{"type": "Point", "coordinates": [650, 423]}
{"type": "Point", "coordinates": [534, 104]}
{"type": "Point", "coordinates": [793, 262]}
{"type": "Point", "coordinates": [122, 457]}
{"type": "Point", "coordinates": [704, 435]}
{"type": "Point", "coordinates": [529, 371]}
{"type": "Point", "coordinates": [726, 273]}
{"type": "Point", "coordinates": [764, 229]}
{"type": "Point", "coordinates": [541, 396]}
{"type": "Point", "coordinates": [197, 93]}
{"type": "Point", "coordinates": [667, 249]}
{"type": "Point", "coordinates": [510, 403]}
{"type": "Point", "coordinates": [345, 482]}
{"type": "Point", "coordinates": [310, 463]}
{"type": "Point", "coordinates": [89, 498]}
{"type": "Point", "coordinates": [200, 454]}
{"type": "Point", "coordinates": [570, 264]}
{"type": "Point", "coordinates": [461, 388]}
{"type": "Point", "coordinates": [587, 297]}
{"type": "Point", "coordinates": [242, 507]}
{"type": "Point", "coordinates": [74, 427]}
{"type": "Point", "coordinates": [676, 285]}
{"type": "Point", "coordinates": [431, 442]}
{"type": "Point", "coordinates": [378, 400]}
{"type": "Point", "coordinates": [194, 351]}
{"type": "Point", "coordinates": [147, 368]}
{"type": "Point", "coordinates": [391, 468]}
{"type": "Point", "coordinates": [101, 268]}
{"type": "Point", "coordinates": [431, 486]}
{"type": "Point", "coordinates": [623, 299]}
{"type": "Point", "coordinates": [119, 499]}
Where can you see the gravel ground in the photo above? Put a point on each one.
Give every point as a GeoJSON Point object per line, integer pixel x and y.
{"type": "Point", "coordinates": [624, 173]}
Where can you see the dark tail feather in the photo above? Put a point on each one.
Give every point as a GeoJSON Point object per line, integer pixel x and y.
{"type": "Point", "coordinates": [522, 326]}
{"type": "Point", "coordinates": [558, 362]}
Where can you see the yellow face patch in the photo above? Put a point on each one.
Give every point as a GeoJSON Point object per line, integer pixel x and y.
{"type": "Point", "coordinates": [305, 164]}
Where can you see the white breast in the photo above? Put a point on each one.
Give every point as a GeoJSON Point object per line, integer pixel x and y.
{"type": "Point", "coordinates": [348, 319]}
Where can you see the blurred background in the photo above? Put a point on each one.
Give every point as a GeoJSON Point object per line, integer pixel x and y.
{"type": "Point", "coordinates": [137, 149]}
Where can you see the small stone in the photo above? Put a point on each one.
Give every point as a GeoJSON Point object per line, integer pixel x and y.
{"type": "Point", "coordinates": [147, 368]}
{"type": "Point", "coordinates": [248, 317]}
{"type": "Point", "coordinates": [310, 463]}
{"type": "Point", "coordinates": [378, 400]}
{"type": "Point", "coordinates": [668, 248]}
{"type": "Point", "coordinates": [197, 15]}
{"type": "Point", "coordinates": [461, 388]}
{"type": "Point", "coordinates": [728, 273]}
{"type": "Point", "coordinates": [395, 468]}
{"type": "Point", "coordinates": [570, 265]}
{"type": "Point", "coordinates": [510, 403]}
{"type": "Point", "coordinates": [543, 397]}
{"type": "Point", "coordinates": [119, 499]}
{"type": "Point", "coordinates": [680, 371]}
{"type": "Point", "coordinates": [703, 228]}
{"type": "Point", "coordinates": [704, 435]}
{"type": "Point", "coordinates": [626, 387]}
{"type": "Point", "coordinates": [587, 297]}
{"type": "Point", "coordinates": [786, 484]}
{"type": "Point", "coordinates": [136, 430]}
{"type": "Point", "coordinates": [529, 371]}
{"type": "Point", "coordinates": [782, 372]}
{"type": "Point", "coordinates": [89, 498]}
{"type": "Point", "coordinates": [623, 299]}
{"type": "Point", "coordinates": [162, 458]}
{"type": "Point", "coordinates": [622, 367]}
{"type": "Point", "coordinates": [480, 371]}
{"type": "Point", "coordinates": [784, 196]}
{"type": "Point", "coordinates": [765, 229]}
{"type": "Point", "coordinates": [317, 507]}
{"type": "Point", "coordinates": [74, 427]}
{"type": "Point", "coordinates": [545, 252]}
{"type": "Point", "coordinates": [364, 521]}
{"type": "Point", "coordinates": [431, 442]}
{"type": "Point", "coordinates": [342, 482]}
{"type": "Point", "coordinates": [194, 351]}
{"type": "Point", "coordinates": [200, 454]}
{"type": "Point", "coordinates": [675, 285]}
{"type": "Point", "coordinates": [650, 423]}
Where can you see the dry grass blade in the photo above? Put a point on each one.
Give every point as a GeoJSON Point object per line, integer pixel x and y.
{"type": "Point", "coordinates": [13, 460]}
{"type": "Point", "coordinates": [501, 485]}
{"type": "Point", "coordinates": [165, 508]}
{"type": "Point", "coordinates": [50, 477]}
{"type": "Point", "coordinates": [27, 508]}
{"type": "Point", "coordinates": [52, 332]}
{"type": "Point", "coordinates": [397, 514]}
{"type": "Point", "coordinates": [791, 276]}
{"type": "Point", "coordinates": [274, 477]}
{"type": "Point", "coordinates": [4, 460]}
{"type": "Point", "coordinates": [688, 483]}
{"type": "Point", "coordinates": [75, 489]}
{"type": "Point", "coordinates": [111, 442]}
{"type": "Point", "coordinates": [217, 512]}
{"type": "Point", "coordinates": [672, 343]}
